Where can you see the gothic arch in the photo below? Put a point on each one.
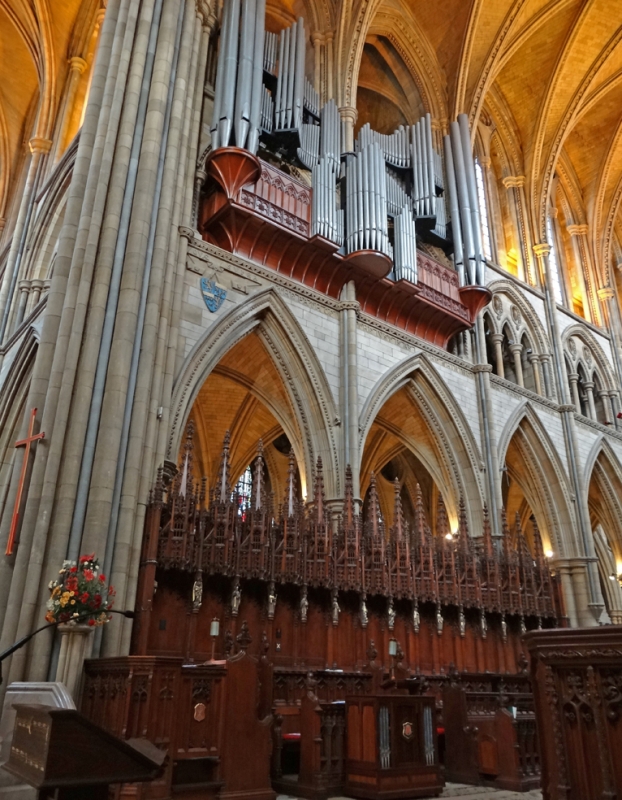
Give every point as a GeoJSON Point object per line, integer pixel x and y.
{"type": "Point", "coordinates": [604, 468]}
{"type": "Point", "coordinates": [455, 460]}
{"type": "Point", "coordinates": [532, 324]}
{"type": "Point", "coordinates": [309, 394]}
{"type": "Point", "coordinates": [543, 479]}
{"type": "Point", "coordinates": [601, 363]}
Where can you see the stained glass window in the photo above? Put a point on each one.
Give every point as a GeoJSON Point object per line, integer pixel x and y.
{"type": "Point", "coordinates": [242, 492]}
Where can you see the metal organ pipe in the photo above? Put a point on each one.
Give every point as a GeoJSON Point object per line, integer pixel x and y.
{"type": "Point", "coordinates": [230, 42]}
{"type": "Point", "coordinates": [245, 72]}
{"type": "Point", "coordinates": [463, 201]}
{"type": "Point", "coordinates": [405, 247]}
{"type": "Point", "coordinates": [366, 201]}
{"type": "Point", "coordinates": [257, 87]}
{"type": "Point", "coordinates": [456, 229]}
{"type": "Point", "coordinates": [299, 75]}
{"type": "Point", "coordinates": [465, 135]}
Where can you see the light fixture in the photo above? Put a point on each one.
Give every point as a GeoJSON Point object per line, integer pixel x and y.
{"type": "Point", "coordinates": [548, 553]}
{"type": "Point", "coordinates": [449, 536]}
{"type": "Point", "coordinates": [612, 577]}
{"type": "Point", "coordinates": [214, 630]}
{"type": "Point", "coordinates": [392, 647]}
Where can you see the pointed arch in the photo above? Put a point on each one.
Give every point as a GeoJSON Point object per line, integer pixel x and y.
{"type": "Point", "coordinates": [532, 324]}
{"type": "Point", "coordinates": [312, 405]}
{"type": "Point", "coordinates": [543, 481]}
{"type": "Point", "coordinates": [601, 362]}
{"type": "Point", "coordinates": [454, 459]}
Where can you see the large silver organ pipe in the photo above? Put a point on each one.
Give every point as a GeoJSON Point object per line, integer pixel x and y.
{"type": "Point", "coordinates": [468, 245]}
{"type": "Point", "coordinates": [311, 98]}
{"type": "Point", "coordinates": [291, 77]}
{"type": "Point", "coordinates": [423, 161]}
{"type": "Point", "coordinates": [395, 146]}
{"type": "Point", "coordinates": [270, 51]}
{"type": "Point", "coordinates": [397, 197]}
{"type": "Point", "coordinates": [330, 137]}
{"type": "Point", "coordinates": [405, 247]}
{"type": "Point", "coordinates": [454, 205]}
{"type": "Point", "coordinates": [326, 217]}
{"type": "Point", "coordinates": [239, 94]}
{"type": "Point", "coordinates": [465, 135]}
{"type": "Point", "coordinates": [366, 202]}
{"type": "Point", "coordinates": [309, 150]}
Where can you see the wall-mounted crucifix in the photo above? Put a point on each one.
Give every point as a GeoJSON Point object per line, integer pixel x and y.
{"type": "Point", "coordinates": [22, 478]}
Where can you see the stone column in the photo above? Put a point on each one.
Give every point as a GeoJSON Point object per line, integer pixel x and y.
{"type": "Point", "coordinates": [545, 360]}
{"type": "Point", "coordinates": [607, 296]}
{"type": "Point", "coordinates": [349, 385]}
{"type": "Point", "coordinates": [24, 290]}
{"type": "Point", "coordinates": [589, 390]}
{"type": "Point", "coordinates": [534, 360]}
{"type": "Point", "coordinates": [573, 379]}
{"type": "Point", "coordinates": [77, 66]}
{"type": "Point", "coordinates": [588, 594]}
{"type": "Point", "coordinates": [607, 407]}
{"type": "Point", "coordinates": [39, 148]}
{"type": "Point", "coordinates": [348, 120]}
{"type": "Point", "coordinates": [497, 340]}
{"type": "Point", "coordinates": [516, 349]}
{"type": "Point", "coordinates": [614, 397]}
{"type": "Point", "coordinates": [517, 184]}
{"type": "Point", "coordinates": [36, 288]}
{"type": "Point", "coordinates": [579, 235]}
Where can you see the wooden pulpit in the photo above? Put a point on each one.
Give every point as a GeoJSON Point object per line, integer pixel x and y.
{"type": "Point", "coordinates": [392, 748]}
{"type": "Point", "coordinates": [66, 756]}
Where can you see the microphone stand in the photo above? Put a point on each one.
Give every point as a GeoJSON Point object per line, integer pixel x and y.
{"type": "Point", "coordinates": [21, 642]}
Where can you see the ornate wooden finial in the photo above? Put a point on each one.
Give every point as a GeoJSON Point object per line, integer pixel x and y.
{"type": "Point", "coordinates": [463, 527]}
{"type": "Point", "coordinates": [348, 502]}
{"type": "Point", "coordinates": [224, 483]}
{"type": "Point", "coordinates": [397, 531]}
{"type": "Point", "coordinates": [507, 536]}
{"type": "Point", "coordinates": [244, 638]}
{"type": "Point", "coordinates": [537, 542]}
{"type": "Point", "coordinates": [374, 507]}
{"type": "Point", "coordinates": [318, 493]}
{"type": "Point", "coordinates": [487, 535]}
{"type": "Point", "coordinates": [257, 498]}
{"type": "Point", "coordinates": [290, 495]}
{"type": "Point", "coordinates": [419, 526]}
{"type": "Point", "coordinates": [442, 523]}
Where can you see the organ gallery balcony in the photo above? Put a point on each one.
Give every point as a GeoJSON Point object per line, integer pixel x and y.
{"type": "Point", "coordinates": [257, 211]}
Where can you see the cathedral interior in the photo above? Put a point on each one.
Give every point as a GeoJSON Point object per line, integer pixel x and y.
{"type": "Point", "coordinates": [310, 326]}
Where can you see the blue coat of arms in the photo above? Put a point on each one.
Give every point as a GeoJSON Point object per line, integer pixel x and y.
{"type": "Point", "coordinates": [213, 295]}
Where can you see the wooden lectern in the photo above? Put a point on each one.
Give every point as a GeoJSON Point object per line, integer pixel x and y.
{"type": "Point", "coordinates": [392, 749]}
{"type": "Point", "coordinates": [67, 757]}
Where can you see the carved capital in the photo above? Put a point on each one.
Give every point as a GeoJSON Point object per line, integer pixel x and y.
{"type": "Point", "coordinates": [568, 408]}
{"type": "Point", "coordinates": [485, 161]}
{"type": "Point", "coordinates": [348, 113]}
{"type": "Point", "coordinates": [40, 145]}
{"type": "Point", "coordinates": [482, 368]}
{"type": "Point", "coordinates": [578, 230]}
{"type": "Point", "coordinates": [77, 64]}
{"type": "Point", "coordinates": [496, 337]}
{"type": "Point", "coordinates": [606, 293]}
{"type": "Point", "coordinates": [541, 250]}
{"type": "Point", "coordinates": [513, 181]}
{"type": "Point", "coordinates": [187, 233]}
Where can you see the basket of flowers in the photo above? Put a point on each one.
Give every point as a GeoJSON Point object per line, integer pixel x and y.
{"type": "Point", "coordinates": [80, 594]}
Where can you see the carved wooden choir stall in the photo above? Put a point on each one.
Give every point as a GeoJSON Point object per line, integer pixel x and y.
{"type": "Point", "coordinates": [577, 684]}
{"type": "Point", "coordinates": [307, 607]}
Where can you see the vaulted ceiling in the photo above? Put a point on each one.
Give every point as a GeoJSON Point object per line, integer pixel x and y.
{"type": "Point", "coordinates": [546, 75]}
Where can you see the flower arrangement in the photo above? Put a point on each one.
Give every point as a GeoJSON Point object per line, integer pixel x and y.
{"type": "Point", "coordinates": [80, 593]}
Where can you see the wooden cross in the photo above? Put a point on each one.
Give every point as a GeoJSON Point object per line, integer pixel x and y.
{"type": "Point", "coordinates": [22, 478]}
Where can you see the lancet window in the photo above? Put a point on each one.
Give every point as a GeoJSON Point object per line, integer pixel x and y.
{"type": "Point", "coordinates": [242, 492]}
{"type": "Point", "coordinates": [483, 211]}
{"type": "Point", "coordinates": [554, 263]}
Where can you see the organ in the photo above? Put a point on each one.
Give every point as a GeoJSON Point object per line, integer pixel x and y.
{"type": "Point", "coordinates": [286, 188]}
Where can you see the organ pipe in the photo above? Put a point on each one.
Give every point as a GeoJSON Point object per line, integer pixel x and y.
{"type": "Point", "coordinates": [366, 202]}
